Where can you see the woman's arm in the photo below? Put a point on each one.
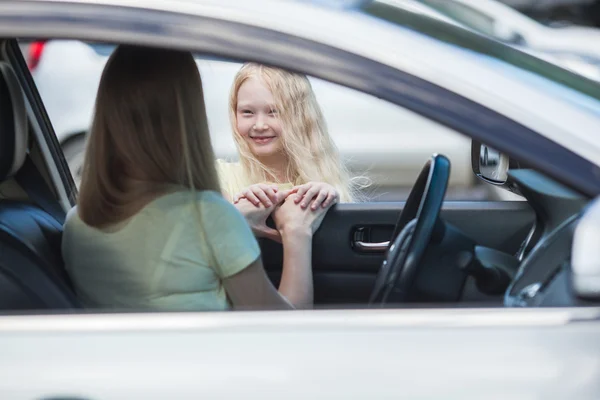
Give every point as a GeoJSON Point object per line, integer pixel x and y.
{"type": "Point", "coordinates": [297, 226]}
{"type": "Point", "coordinates": [251, 287]}
{"type": "Point", "coordinates": [297, 278]}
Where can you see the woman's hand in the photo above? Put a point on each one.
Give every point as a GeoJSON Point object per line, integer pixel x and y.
{"type": "Point", "coordinates": [293, 220]}
{"type": "Point", "coordinates": [256, 215]}
{"type": "Point", "coordinates": [315, 194]}
{"type": "Point", "coordinates": [260, 193]}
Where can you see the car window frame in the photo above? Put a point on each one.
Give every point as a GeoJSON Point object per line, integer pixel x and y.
{"type": "Point", "coordinates": [40, 126]}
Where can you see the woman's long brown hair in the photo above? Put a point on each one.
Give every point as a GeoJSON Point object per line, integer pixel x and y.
{"type": "Point", "coordinates": [149, 135]}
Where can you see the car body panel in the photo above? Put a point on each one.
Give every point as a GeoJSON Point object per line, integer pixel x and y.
{"type": "Point", "coordinates": [450, 354]}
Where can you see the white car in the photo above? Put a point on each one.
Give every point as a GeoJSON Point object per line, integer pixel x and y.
{"type": "Point", "coordinates": [524, 274]}
{"type": "Point", "coordinates": [573, 47]}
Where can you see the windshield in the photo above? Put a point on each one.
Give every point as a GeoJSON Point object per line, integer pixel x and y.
{"type": "Point", "coordinates": [483, 46]}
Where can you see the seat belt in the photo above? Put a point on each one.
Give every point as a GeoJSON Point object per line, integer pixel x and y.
{"type": "Point", "coordinates": [32, 182]}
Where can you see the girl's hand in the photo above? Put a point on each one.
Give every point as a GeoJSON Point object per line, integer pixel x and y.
{"type": "Point", "coordinates": [315, 194]}
{"type": "Point", "coordinates": [260, 193]}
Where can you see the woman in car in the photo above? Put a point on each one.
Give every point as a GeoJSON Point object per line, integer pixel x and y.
{"type": "Point", "coordinates": [151, 229]}
{"type": "Point", "coordinates": [284, 146]}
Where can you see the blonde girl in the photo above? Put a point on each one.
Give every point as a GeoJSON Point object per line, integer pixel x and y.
{"type": "Point", "coordinates": [283, 143]}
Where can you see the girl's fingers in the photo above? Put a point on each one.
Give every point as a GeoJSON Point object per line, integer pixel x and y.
{"type": "Point", "coordinates": [331, 198]}
{"type": "Point", "coordinates": [312, 192]}
{"type": "Point", "coordinates": [272, 194]}
{"type": "Point", "coordinates": [262, 197]}
{"type": "Point", "coordinates": [248, 194]}
{"type": "Point", "coordinates": [319, 200]}
{"type": "Point", "coordinates": [301, 191]}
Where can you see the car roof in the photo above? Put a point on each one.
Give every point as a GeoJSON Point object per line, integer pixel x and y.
{"type": "Point", "coordinates": [474, 66]}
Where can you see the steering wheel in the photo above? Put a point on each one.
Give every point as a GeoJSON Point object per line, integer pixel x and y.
{"type": "Point", "coordinates": [413, 232]}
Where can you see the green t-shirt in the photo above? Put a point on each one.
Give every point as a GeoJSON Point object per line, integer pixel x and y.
{"type": "Point", "coordinates": [160, 259]}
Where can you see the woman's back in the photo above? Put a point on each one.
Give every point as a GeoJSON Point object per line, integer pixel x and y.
{"type": "Point", "coordinates": [159, 258]}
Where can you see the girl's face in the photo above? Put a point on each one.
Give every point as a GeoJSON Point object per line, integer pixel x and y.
{"type": "Point", "coordinates": [257, 119]}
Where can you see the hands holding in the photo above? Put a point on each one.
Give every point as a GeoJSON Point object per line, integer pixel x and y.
{"type": "Point", "coordinates": [299, 210]}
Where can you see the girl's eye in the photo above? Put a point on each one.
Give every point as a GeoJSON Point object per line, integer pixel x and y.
{"type": "Point", "coordinates": [273, 112]}
{"type": "Point", "coordinates": [246, 112]}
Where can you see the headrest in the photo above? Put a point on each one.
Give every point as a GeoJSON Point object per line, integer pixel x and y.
{"type": "Point", "coordinates": [13, 123]}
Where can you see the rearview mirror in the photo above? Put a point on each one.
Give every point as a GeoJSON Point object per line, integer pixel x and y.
{"type": "Point", "coordinates": [585, 254]}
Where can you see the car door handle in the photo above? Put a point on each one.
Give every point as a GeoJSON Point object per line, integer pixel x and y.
{"type": "Point", "coordinates": [367, 247]}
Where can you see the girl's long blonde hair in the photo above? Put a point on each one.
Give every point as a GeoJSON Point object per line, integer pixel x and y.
{"type": "Point", "coordinates": [312, 155]}
{"type": "Point", "coordinates": [149, 135]}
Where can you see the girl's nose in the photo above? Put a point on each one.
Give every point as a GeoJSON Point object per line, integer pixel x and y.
{"type": "Point", "coordinates": [260, 124]}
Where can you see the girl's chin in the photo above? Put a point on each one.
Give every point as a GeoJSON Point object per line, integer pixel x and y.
{"type": "Point", "coordinates": [265, 151]}
{"type": "Point", "coordinates": [266, 154]}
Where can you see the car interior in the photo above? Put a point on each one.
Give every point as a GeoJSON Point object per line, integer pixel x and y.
{"type": "Point", "coordinates": [425, 252]}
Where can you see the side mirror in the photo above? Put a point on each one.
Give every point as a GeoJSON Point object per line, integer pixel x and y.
{"type": "Point", "coordinates": [492, 166]}
{"type": "Point", "coordinates": [585, 254]}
